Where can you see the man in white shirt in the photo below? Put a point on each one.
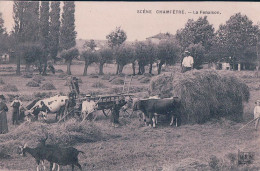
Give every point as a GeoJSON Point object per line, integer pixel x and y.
{"type": "Point", "coordinates": [257, 113]}
{"type": "Point", "coordinates": [187, 63]}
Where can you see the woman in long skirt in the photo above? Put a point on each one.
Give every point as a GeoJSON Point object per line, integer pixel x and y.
{"type": "Point", "coordinates": [3, 117]}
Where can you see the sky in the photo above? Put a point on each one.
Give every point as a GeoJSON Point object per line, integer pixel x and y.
{"type": "Point", "coordinates": [95, 20]}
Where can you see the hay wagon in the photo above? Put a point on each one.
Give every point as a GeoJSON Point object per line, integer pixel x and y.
{"type": "Point", "coordinates": [103, 102]}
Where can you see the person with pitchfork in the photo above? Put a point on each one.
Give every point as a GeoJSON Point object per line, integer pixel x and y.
{"type": "Point", "coordinates": [257, 113]}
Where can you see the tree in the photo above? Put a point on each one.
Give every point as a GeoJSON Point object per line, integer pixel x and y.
{"type": "Point", "coordinates": [3, 36]}
{"type": "Point", "coordinates": [54, 29]}
{"type": "Point", "coordinates": [44, 34]}
{"type": "Point", "coordinates": [197, 51]}
{"type": "Point", "coordinates": [31, 53]}
{"type": "Point", "coordinates": [91, 45]}
{"type": "Point", "coordinates": [68, 56]}
{"type": "Point", "coordinates": [168, 52]}
{"type": "Point", "coordinates": [115, 39]}
{"type": "Point", "coordinates": [68, 33]}
{"type": "Point", "coordinates": [197, 32]}
{"type": "Point", "coordinates": [124, 54]}
{"type": "Point", "coordinates": [90, 57]}
{"type": "Point", "coordinates": [141, 54]}
{"type": "Point", "coordinates": [237, 39]}
{"type": "Point", "coordinates": [152, 56]}
{"type": "Point", "coordinates": [26, 25]}
{"type": "Point", "coordinates": [105, 56]}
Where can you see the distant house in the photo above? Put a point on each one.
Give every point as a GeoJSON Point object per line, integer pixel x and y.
{"type": "Point", "coordinates": [159, 37]}
{"type": "Point", "coordinates": [5, 58]}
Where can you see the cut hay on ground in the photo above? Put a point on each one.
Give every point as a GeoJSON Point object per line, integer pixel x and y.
{"type": "Point", "coordinates": [99, 84]}
{"type": "Point", "coordinates": [67, 133]}
{"type": "Point", "coordinates": [1, 81]}
{"type": "Point", "coordinates": [32, 84]}
{"type": "Point", "coordinates": [9, 88]}
{"type": "Point", "coordinates": [204, 95]}
{"type": "Point", "coordinates": [38, 78]}
{"type": "Point", "coordinates": [117, 81]}
{"type": "Point", "coordinates": [42, 95]}
{"type": "Point", "coordinates": [48, 86]}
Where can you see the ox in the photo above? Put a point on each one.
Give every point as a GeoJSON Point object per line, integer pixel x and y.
{"type": "Point", "coordinates": [166, 106]}
{"type": "Point", "coordinates": [88, 107]}
{"type": "Point", "coordinates": [55, 104]}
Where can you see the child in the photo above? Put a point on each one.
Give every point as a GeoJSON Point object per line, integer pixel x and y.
{"type": "Point", "coordinates": [257, 113]}
{"type": "Point", "coordinates": [16, 106]}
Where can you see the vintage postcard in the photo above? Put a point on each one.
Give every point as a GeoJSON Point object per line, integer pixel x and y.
{"type": "Point", "coordinates": [96, 85]}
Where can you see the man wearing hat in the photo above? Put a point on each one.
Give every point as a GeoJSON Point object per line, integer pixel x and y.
{"type": "Point", "coordinates": [16, 104]}
{"type": "Point", "coordinates": [3, 117]}
{"type": "Point", "coordinates": [257, 113]}
{"type": "Point", "coordinates": [187, 63]}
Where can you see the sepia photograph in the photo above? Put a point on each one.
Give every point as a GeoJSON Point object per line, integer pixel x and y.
{"type": "Point", "coordinates": [129, 86]}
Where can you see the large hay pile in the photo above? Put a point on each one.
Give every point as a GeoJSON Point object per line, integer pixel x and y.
{"type": "Point", "coordinates": [204, 95]}
{"type": "Point", "coordinates": [66, 134]}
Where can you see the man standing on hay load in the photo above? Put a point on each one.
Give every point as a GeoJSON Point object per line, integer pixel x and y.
{"type": "Point", "coordinates": [3, 117]}
{"type": "Point", "coordinates": [257, 113]}
{"type": "Point", "coordinates": [16, 104]}
{"type": "Point", "coordinates": [187, 63]}
{"type": "Point", "coordinates": [120, 102]}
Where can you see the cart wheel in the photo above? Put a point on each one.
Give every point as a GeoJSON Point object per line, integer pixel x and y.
{"type": "Point", "coordinates": [106, 112]}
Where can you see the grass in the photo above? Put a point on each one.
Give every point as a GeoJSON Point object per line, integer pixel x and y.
{"type": "Point", "coordinates": [131, 146]}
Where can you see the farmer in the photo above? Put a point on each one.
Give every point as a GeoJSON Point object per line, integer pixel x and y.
{"type": "Point", "coordinates": [3, 117]}
{"type": "Point", "coordinates": [120, 102]}
{"type": "Point", "coordinates": [71, 103]}
{"type": "Point", "coordinates": [187, 63]}
{"type": "Point", "coordinates": [16, 104]}
{"type": "Point", "coordinates": [257, 113]}
{"type": "Point", "coordinates": [76, 83]}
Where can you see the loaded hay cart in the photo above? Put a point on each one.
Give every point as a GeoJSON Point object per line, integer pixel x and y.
{"type": "Point", "coordinates": [103, 102]}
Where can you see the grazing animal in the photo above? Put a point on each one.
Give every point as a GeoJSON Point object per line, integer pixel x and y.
{"type": "Point", "coordinates": [54, 154]}
{"type": "Point", "coordinates": [166, 106]}
{"type": "Point", "coordinates": [36, 153]}
{"type": "Point", "coordinates": [55, 104]}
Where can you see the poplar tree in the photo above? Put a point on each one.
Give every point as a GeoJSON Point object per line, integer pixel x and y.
{"type": "Point", "coordinates": [44, 35]}
{"type": "Point", "coordinates": [54, 29]}
{"type": "Point", "coordinates": [68, 33]}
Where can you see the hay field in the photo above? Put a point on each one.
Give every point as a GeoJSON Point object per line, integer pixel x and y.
{"type": "Point", "coordinates": [132, 146]}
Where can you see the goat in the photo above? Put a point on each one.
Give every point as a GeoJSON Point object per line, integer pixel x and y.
{"type": "Point", "coordinates": [36, 153]}
{"type": "Point", "coordinates": [63, 156]}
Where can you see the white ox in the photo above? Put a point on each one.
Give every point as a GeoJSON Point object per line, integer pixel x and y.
{"type": "Point", "coordinates": [88, 107]}
{"type": "Point", "coordinates": [53, 104]}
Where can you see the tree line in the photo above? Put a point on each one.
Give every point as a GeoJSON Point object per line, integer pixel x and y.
{"type": "Point", "coordinates": [39, 35]}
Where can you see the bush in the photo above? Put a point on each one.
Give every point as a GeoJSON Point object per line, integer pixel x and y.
{"type": "Point", "coordinates": [99, 85]}
{"type": "Point", "coordinates": [48, 86]}
{"type": "Point", "coordinates": [33, 84]}
{"type": "Point", "coordinates": [204, 95]}
{"type": "Point", "coordinates": [9, 87]}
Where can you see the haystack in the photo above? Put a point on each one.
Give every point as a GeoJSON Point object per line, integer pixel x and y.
{"type": "Point", "coordinates": [203, 94]}
{"type": "Point", "coordinates": [48, 86]}
{"type": "Point", "coordinates": [33, 84]}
